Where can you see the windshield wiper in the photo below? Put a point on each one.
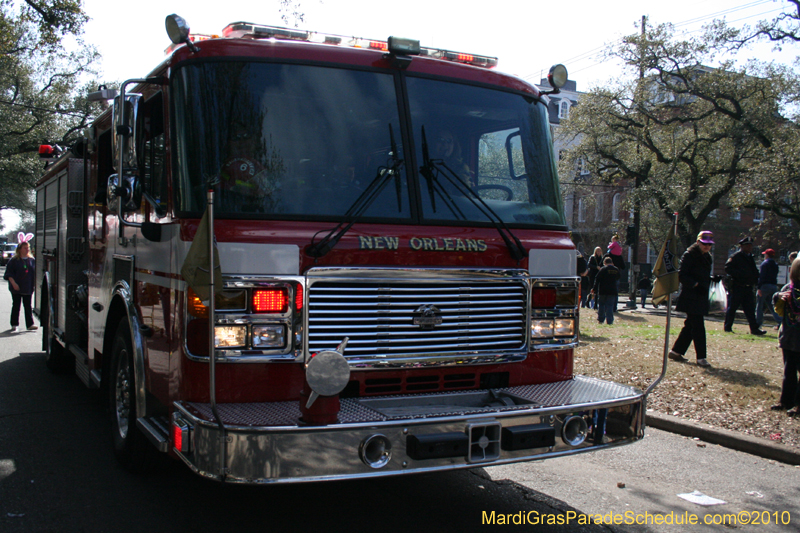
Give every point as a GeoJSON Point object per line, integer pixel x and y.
{"type": "Point", "coordinates": [363, 202]}
{"type": "Point", "coordinates": [434, 187]}
{"type": "Point", "coordinates": [431, 170]}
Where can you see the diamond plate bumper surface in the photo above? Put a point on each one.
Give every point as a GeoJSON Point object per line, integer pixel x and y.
{"type": "Point", "coordinates": [578, 391]}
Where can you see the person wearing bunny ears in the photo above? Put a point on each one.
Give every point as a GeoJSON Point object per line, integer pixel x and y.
{"type": "Point", "coordinates": [21, 274]}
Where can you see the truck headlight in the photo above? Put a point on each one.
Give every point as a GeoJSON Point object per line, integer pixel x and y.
{"type": "Point", "coordinates": [230, 336]}
{"type": "Point", "coordinates": [542, 328]}
{"type": "Point", "coordinates": [564, 327]}
{"type": "Point", "coordinates": [553, 327]}
{"type": "Point", "coordinates": [269, 337]}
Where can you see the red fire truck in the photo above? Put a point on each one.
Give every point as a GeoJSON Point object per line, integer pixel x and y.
{"type": "Point", "coordinates": [396, 289]}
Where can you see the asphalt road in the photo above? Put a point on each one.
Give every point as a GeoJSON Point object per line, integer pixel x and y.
{"type": "Point", "coordinates": [57, 473]}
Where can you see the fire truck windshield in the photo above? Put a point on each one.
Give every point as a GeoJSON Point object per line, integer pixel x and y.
{"type": "Point", "coordinates": [298, 141]}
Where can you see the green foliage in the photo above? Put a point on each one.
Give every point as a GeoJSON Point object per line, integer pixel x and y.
{"type": "Point", "coordinates": [42, 63]}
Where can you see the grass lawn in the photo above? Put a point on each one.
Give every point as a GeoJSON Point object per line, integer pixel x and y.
{"type": "Point", "coordinates": [735, 393]}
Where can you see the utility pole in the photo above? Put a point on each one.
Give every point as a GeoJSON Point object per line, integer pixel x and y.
{"type": "Point", "coordinates": [632, 273]}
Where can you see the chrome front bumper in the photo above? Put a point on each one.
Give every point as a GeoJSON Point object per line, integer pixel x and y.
{"type": "Point", "coordinates": [382, 436]}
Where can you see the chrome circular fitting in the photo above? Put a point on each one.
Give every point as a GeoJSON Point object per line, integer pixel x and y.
{"type": "Point", "coordinates": [375, 451]}
{"type": "Point", "coordinates": [574, 430]}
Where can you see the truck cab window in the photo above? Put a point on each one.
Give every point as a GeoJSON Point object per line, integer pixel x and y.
{"type": "Point", "coordinates": [105, 166]}
{"type": "Point", "coordinates": [153, 148]}
{"type": "Point", "coordinates": [497, 143]}
{"type": "Point", "coordinates": [287, 140]}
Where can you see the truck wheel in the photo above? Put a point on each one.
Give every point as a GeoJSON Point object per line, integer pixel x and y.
{"type": "Point", "coordinates": [130, 445]}
{"type": "Point", "coordinates": [57, 359]}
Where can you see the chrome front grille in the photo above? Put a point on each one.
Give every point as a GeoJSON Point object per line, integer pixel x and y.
{"type": "Point", "coordinates": [402, 318]}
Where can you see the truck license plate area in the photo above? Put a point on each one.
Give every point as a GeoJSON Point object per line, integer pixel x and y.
{"type": "Point", "coordinates": [484, 442]}
{"type": "Point", "coordinates": [478, 443]}
{"type": "Point", "coordinates": [443, 404]}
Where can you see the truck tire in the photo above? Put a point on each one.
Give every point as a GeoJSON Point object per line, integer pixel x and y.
{"type": "Point", "coordinates": [57, 359]}
{"type": "Point", "coordinates": [130, 445]}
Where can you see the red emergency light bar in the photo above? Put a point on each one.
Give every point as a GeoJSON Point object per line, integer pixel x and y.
{"type": "Point", "coordinates": [195, 38]}
{"type": "Point", "coordinates": [247, 30]}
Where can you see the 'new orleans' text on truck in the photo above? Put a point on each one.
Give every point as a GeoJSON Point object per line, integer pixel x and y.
{"type": "Point", "coordinates": [396, 290]}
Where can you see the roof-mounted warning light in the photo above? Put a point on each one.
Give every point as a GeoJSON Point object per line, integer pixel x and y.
{"type": "Point", "coordinates": [406, 47]}
{"type": "Point", "coordinates": [557, 78]}
{"type": "Point", "coordinates": [397, 47]}
{"type": "Point", "coordinates": [49, 151]}
{"type": "Point", "coordinates": [102, 95]}
{"type": "Point", "coordinates": [401, 50]}
{"type": "Point", "coordinates": [194, 38]}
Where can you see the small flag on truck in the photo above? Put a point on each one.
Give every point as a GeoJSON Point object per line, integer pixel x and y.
{"type": "Point", "coordinates": [195, 268]}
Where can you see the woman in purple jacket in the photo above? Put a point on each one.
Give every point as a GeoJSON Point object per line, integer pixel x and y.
{"type": "Point", "coordinates": [20, 273]}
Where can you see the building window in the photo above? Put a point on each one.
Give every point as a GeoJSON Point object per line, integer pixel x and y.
{"type": "Point", "coordinates": [758, 215]}
{"type": "Point", "coordinates": [713, 214]}
{"type": "Point", "coordinates": [563, 109]}
{"type": "Point", "coordinates": [615, 206]}
{"type": "Point", "coordinates": [736, 215]}
{"type": "Point", "coordinates": [581, 210]}
{"type": "Point", "coordinates": [598, 211]}
{"type": "Point", "coordinates": [583, 167]}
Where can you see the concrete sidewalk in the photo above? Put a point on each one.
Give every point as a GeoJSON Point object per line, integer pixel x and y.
{"type": "Point", "coordinates": [729, 439]}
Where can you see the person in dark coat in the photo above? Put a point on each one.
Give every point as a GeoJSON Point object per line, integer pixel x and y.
{"type": "Point", "coordinates": [615, 253]}
{"type": "Point", "coordinates": [695, 277]}
{"type": "Point", "coordinates": [583, 272]}
{"type": "Point", "coordinates": [742, 278]}
{"type": "Point", "coordinates": [605, 289]}
{"type": "Point", "coordinates": [644, 287]}
{"type": "Point", "coordinates": [767, 286]}
{"type": "Point", "coordinates": [789, 340]}
{"type": "Point", "coordinates": [595, 264]}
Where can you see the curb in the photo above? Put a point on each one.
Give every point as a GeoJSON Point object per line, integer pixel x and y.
{"type": "Point", "coordinates": [728, 439]}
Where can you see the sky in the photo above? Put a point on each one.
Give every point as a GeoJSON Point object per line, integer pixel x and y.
{"type": "Point", "coordinates": [527, 37]}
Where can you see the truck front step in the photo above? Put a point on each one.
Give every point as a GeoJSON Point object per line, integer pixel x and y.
{"type": "Point", "coordinates": [156, 429]}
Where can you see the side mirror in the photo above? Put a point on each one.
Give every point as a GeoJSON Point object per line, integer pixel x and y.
{"type": "Point", "coordinates": [127, 190]}
{"type": "Point", "coordinates": [125, 124]}
{"type": "Point", "coordinates": [514, 152]}
{"type": "Point", "coordinates": [112, 196]}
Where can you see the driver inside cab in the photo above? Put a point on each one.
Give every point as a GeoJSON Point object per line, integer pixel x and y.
{"type": "Point", "coordinates": [448, 150]}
